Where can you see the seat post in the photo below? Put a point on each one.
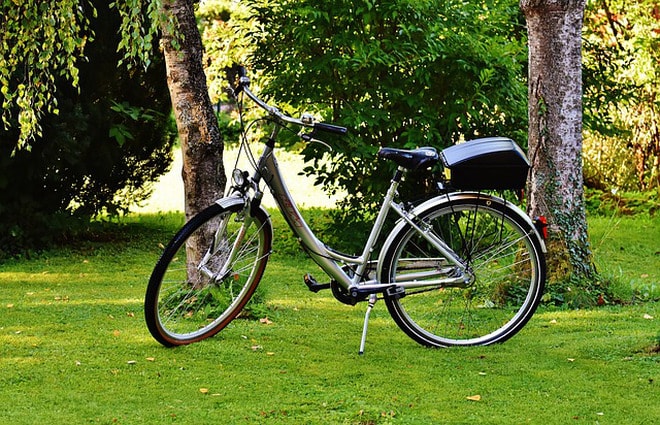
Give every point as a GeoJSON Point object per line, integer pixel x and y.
{"type": "Point", "coordinates": [379, 222]}
{"type": "Point", "coordinates": [398, 174]}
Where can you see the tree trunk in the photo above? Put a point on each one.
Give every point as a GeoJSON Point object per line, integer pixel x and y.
{"type": "Point", "coordinates": [555, 133]}
{"type": "Point", "coordinates": [201, 143]}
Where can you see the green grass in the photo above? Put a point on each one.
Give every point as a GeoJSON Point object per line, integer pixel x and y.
{"type": "Point", "coordinates": [627, 253]}
{"type": "Point", "coordinates": [74, 349]}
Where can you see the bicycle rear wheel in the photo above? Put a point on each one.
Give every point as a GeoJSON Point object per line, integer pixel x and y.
{"type": "Point", "coordinates": [501, 249]}
{"type": "Point", "coordinates": [194, 293]}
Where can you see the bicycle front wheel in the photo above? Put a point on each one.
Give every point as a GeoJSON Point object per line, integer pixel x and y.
{"type": "Point", "coordinates": [207, 274]}
{"type": "Point", "coordinates": [504, 255]}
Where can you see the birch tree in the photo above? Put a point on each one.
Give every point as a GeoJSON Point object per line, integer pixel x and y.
{"type": "Point", "coordinates": [201, 143]}
{"type": "Point", "coordinates": [202, 146]}
{"type": "Point", "coordinates": [555, 133]}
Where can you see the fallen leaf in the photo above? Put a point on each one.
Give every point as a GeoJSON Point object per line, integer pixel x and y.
{"type": "Point", "coordinates": [553, 321]}
{"type": "Point", "coordinates": [474, 397]}
{"type": "Point", "coordinates": [600, 414]}
{"type": "Point", "coordinates": [131, 362]}
{"type": "Point", "coordinates": [256, 347]}
{"type": "Point", "coordinates": [204, 390]}
{"type": "Point", "coordinates": [130, 314]}
{"type": "Point", "coordinates": [10, 305]}
{"type": "Point", "coordinates": [570, 360]}
{"type": "Point", "coordinates": [266, 321]}
{"type": "Point", "coordinates": [78, 363]}
{"type": "Point", "coordinates": [644, 276]}
{"type": "Point", "coordinates": [270, 353]}
{"type": "Point", "coordinates": [116, 332]}
{"type": "Point", "coordinates": [648, 316]}
{"type": "Point", "coordinates": [151, 359]}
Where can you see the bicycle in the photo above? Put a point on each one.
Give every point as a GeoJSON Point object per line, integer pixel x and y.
{"type": "Point", "coordinates": [461, 268]}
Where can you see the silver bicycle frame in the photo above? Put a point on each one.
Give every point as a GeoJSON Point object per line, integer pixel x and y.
{"type": "Point", "coordinates": [329, 260]}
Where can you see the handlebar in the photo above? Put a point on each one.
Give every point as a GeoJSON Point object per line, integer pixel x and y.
{"type": "Point", "coordinates": [305, 121]}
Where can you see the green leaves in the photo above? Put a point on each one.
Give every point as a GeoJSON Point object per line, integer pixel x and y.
{"type": "Point", "coordinates": [41, 40]}
{"type": "Point", "coordinates": [141, 21]}
{"type": "Point", "coordinates": [44, 40]}
{"type": "Point", "coordinates": [621, 70]}
{"type": "Point", "coordinates": [397, 73]}
{"type": "Point", "coordinates": [120, 131]}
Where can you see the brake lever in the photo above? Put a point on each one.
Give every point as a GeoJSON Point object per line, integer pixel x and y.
{"type": "Point", "coordinates": [231, 92]}
{"type": "Point", "coordinates": [309, 137]}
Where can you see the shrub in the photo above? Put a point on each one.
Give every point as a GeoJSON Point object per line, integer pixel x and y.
{"type": "Point", "coordinates": [396, 73]}
{"type": "Point", "coordinates": [111, 138]}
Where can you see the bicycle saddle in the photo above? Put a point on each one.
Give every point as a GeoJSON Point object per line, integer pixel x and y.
{"type": "Point", "coordinates": [411, 159]}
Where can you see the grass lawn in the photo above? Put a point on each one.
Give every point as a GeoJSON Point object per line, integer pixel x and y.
{"type": "Point", "coordinates": [74, 349]}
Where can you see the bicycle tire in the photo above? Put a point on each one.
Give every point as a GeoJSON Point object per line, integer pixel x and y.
{"type": "Point", "coordinates": [186, 299]}
{"type": "Point", "coordinates": [503, 250]}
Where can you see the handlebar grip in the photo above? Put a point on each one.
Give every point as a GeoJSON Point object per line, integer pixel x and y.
{"type": "Point", "coordinates": [329, 128]}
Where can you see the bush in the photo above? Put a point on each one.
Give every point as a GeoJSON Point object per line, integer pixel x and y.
{"type": "Point", "coordinates": [622, 95]}
{"type": "Point", "coordinates": [396, 73]}
{"type": "Point", "coordinates": [111, 138]}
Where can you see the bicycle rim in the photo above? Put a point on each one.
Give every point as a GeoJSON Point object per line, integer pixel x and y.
{"type": "Point", "coordinates": [195, 293]}
{"type": "Point", "coordinates": [505, 257]}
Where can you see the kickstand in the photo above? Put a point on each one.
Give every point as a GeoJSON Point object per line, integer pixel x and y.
{"type": "Point", "coordinates": [372, 300]}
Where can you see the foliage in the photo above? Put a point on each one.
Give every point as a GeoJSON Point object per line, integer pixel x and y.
{"type": "Point", "coordinates": [396, 73]}
{"type": "Point", "coordinates": [577, 293]}
{"type": "Point", "coordinates": [41, 43]}
{"type": "Point", "coordinates": [139, 27]}
{"type": "Point", "coordinates": [221, 25]}
{"type": "Point", "coordinates": [113, 135]}
{"type": "Point", "coordinates": [622, 95]}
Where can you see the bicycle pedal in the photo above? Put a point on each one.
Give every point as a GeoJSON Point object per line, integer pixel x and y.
{"type": "Point", "coordinates": [313, 285]}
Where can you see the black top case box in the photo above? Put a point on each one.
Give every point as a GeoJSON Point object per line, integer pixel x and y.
{"type": "Point", "coordinates": [494, 163]}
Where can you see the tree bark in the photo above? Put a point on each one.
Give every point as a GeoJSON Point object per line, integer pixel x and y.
{"type": "Point", "coordinates": [555, 133]}
{"type": "Point", "coordinates": [201, 143]}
